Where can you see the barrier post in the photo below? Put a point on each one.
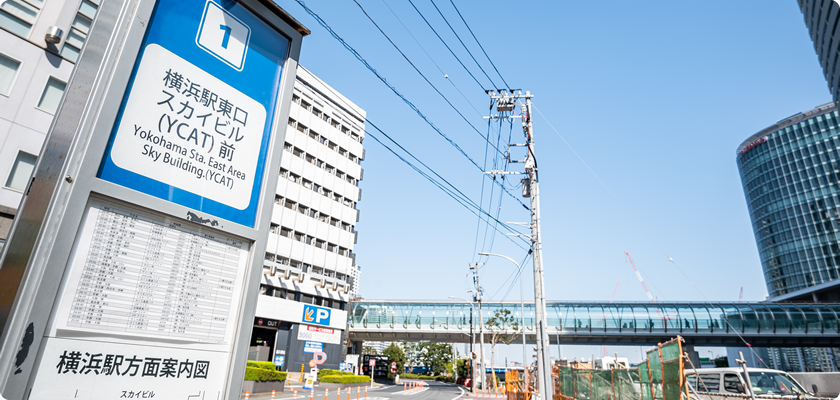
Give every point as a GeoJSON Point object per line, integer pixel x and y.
{"type": "Point", "coordinates": [311, 393]}
{"type": "Point", "coordinates": [294, 397]}
{"type": "Point", "coordinates": [247, 395]}
{"type": "Point", "coordinates": [365, 392]}
{"type": "Point", "coordinates": [404, 387]}
{"type": "Point", "coordinates": [338, 394]}
{"type": "Point", "coordinates": [358, 391]}
{"type": "Point", "coordinates": [349, 392]}
{"type": "Point", "coordinates": [326, 394]}
{"type": "Point", "coordinates": [301, 373]}
{"type": "Point", "coordinates": [272, 395]}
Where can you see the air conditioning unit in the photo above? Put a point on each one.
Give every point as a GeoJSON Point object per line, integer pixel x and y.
{"type": "Point", "coordinates": [346, 289]}
{"type": "Point", "coordinates": [323, 283]}
{"type": "Point", "coordinates": [287, 273]}
{"type": "Point", "coordinates": [301, 277]}
{"type": "Point", "coordinates": [335, 286]}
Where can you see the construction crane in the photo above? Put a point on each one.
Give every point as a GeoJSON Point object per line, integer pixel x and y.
{"type": "Point", "coordinates": [639, 275]}
{"type": "Point", "coordinates": [605, 317]}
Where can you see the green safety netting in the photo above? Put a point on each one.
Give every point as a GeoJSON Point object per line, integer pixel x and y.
{"type": "Point", "coordinates": [660, 377]}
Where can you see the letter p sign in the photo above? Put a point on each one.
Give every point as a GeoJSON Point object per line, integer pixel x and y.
{"type": "Point", "coordinates": [316, 315]}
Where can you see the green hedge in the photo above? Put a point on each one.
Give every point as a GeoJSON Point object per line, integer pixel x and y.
{"type": "Point", "coordinates": [450, 379]}
{"type": "Point", "coordinates": [332, 372]}
{"type": "Point", "coordinates": [418, 376]}
{"type": "Point", "coordinates": [262, 365]}
{"type": "Point", "coordinates": [345, 379]}
{"type": "Point", "coordinates": [263, 375]}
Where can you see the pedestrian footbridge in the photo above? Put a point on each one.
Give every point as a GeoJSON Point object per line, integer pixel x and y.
{"type": "Point", "coordinates": [709, 324]}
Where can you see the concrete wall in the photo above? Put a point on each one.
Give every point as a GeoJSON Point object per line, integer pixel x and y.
{"type": "Point", "coordinates": [828, 383]}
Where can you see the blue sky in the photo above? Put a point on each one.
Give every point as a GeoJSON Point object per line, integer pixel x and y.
{"type": "Point", "coordinates": [654, 96]}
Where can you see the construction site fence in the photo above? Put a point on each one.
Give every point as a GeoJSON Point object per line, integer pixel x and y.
{"type": "Point", "coordinates": [660, 377]}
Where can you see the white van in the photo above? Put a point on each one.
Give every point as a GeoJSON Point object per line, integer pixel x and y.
{"type": "Point", "coordinates": [729, 382]}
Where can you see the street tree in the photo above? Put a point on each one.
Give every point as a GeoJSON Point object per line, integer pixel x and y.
{"type": "Point", "coordinates": [369, 350]}
{"type": "Point", "coordinates": [396, 354]}
{"type": "Point", "coordinates": [412, 355]}
{"type": "Point", "coordinates": [499, 325]}
{"type": "Point", "coordinates": [435, 356]}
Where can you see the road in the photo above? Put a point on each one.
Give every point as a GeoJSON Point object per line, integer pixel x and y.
{"type": "Point", "coordinates": [432, 391]}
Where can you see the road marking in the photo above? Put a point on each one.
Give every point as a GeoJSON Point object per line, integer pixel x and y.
{"type": "Point", "coordinates": [460, 395]}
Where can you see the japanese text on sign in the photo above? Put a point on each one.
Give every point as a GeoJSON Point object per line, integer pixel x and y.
{"type": "Point", "coordinates": [120, 365]}
{"type": "Point", "coordinates": [186, 128]}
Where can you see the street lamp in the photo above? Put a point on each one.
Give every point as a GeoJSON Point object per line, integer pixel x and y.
{"type": "Point", "coordinates": [472, 340]}
{"type": "Point", "coordinates": [522, 306]}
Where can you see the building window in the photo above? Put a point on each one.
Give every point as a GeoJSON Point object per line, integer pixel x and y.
{"type": "Point", "coordinates": [79, 30]}
{"type": "Point", "coordinates": [18, 16]}
{"type": "Point", "coordinates": [21, 171]}
{"type": "Point", "coordinates": [51, 95]}
{"type": "Point", "coordinates": [285, 232]}
{"type": "Point", "coordinates": [275, 229]}
{"type": "Point", "coordinates": [8, 73]}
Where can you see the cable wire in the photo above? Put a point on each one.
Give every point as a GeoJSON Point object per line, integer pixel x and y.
{"type": "Point", "coordinates": [424, 76]}
{"type": "Point", "coordinates": [394, 89]}
{"type": "Point", "coordinates": [447, 46]}
{"type": "Point", "coordinates": [446, 76]}
{"type": "Point", "coordinates": [479, 45]}
{"type": "Point", "coordinates": [462, 43]}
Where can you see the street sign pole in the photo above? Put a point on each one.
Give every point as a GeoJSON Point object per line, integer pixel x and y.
{"type": "Point", "coordinates": [156, 180]}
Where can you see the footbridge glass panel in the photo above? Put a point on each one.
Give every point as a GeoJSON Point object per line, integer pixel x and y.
{"type": "Point", "coordinates": [591, 321]}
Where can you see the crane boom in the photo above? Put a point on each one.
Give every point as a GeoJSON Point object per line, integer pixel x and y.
{"type": "Point", "coordinates": [615, 291]}
{"type": "Point", "coordinates": [639, 275]}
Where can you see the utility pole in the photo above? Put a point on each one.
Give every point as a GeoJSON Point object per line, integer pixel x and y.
{"type": "Point", "coordinates": [472, 353]}
{"type": "Point", "coordinates": [477, 298]}
{"type": "Point", "coordinates": [505, 101]}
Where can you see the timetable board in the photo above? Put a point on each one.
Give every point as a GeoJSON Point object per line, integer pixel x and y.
{"type": "Point", "coordinates": [140, 274]}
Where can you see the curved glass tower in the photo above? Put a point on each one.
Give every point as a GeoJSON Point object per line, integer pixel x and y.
{"type": "Point", "coordinates": [791, 177]}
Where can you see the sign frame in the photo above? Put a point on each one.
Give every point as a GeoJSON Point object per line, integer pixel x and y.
{"type": "Point", "coordinates": [36, 257]}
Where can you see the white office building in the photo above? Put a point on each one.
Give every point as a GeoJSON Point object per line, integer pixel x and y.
{"type": "Point", "coordinates": [309, 259]}
{"type": "Point", "coordinates": [35, 63]}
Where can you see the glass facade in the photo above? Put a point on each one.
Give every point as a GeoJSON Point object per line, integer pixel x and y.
{"type": "Point", "coordinates": [623, 318]}
{"type": "Point", "coordinates": [790, 173]}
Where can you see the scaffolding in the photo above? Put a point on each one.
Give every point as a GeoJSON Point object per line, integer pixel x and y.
{"type": "Point", "coordinates": [660, 377]}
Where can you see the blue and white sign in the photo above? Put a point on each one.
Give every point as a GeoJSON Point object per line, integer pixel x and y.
{"type": "Point", "coordinates": [316, 315]}
{"type": "Point", "coordinates": [196, 120]}
{"type": "Point", "coordinates": [312, 347]}
{"type": "Point", "coordinates": [279, 360]}
{"type": "Point", "coordinates": [342, 367]}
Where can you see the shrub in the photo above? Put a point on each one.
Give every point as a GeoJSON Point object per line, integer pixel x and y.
{"type": "Point", "coordinates": [331, 372]}
{"type": "Point", "coordinates": [262, 365]}
{"type": "Point", "coordinates": [418, 376]}
{"type": "Point", "coordinates": [345, 379]}
{"type": "Point", "coordinates": [263, 375]}
{"type": "Point", "coordinates": [449, 379]}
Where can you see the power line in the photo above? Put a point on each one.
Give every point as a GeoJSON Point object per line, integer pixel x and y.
{"type": "Point", "coordinates": [446, 76]}
{"type": "Point", "coordinates": [462, 43]}
{"type": "Point", "coordinates": [424, 76]}
{"type": "Point", "coordinates": [447, 46]}
{"type": "Point", "coordinates": [394, 89]}
{"type": "Point", "coordinates": [479, 44]}
{"type": "Point", "coordinates": [465, 201]}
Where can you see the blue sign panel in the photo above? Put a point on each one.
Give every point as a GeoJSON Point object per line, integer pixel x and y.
{"type": "Point", "coordinates": [312, 347]}
{"type": "Point", "coordinates": [195, 122]}
{"type": "Point", "coordinates": [316, 315]}
{"type": "Point", "coordinates": [279, 360]}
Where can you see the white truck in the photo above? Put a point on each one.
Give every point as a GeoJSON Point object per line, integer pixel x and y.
{"type": "Point", "coordinates": [729, 383]}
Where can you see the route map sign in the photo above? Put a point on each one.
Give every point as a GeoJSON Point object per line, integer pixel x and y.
{"type": "Point", "coordinates": [139, 267]}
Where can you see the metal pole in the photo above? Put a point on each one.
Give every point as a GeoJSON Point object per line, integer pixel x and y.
{"type": "Point", "coordinates": [543, 358]}
{"type": "Point", "coordinates": [522, 307]}
{"type": "Point", "coordinates": [472, 359]}
{"type": "Point", "coordinates": [482, 369]}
